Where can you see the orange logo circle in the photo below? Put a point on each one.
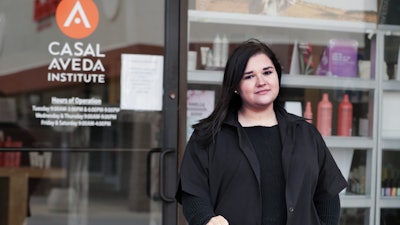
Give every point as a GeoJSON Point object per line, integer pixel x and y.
{"type": "Point", "coordinates": [77, 19]}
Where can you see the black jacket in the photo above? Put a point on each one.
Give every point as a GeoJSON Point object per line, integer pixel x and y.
{"type": "Point", "coordinates": [228, 173]}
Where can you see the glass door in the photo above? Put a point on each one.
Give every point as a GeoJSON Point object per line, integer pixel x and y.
{"type": "Point", "coordinates": [89, 95]}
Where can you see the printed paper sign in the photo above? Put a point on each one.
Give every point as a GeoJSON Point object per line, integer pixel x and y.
{"type": "Point", "coordinates": [141, 82]}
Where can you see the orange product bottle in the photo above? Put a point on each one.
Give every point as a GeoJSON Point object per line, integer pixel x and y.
{"type": "Point", "coordinates": [324, 116]}
{"type": "Point", "coordinates": [345, 117]}
{"type": "Point", "coordinates": [308, 113]}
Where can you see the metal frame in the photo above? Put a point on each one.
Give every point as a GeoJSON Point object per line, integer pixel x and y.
{"type": "Point", "coordinates": [174, 103]}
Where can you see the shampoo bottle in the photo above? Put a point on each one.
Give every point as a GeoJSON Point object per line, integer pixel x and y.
{"type": "Point", "coordinates": [307, 112]}
{"type": "Point", "coordinates": [209, 59]}
{"type": "Point", "coordinates": [324, 116]}
{"type": "Point", "coordinates": [224, 50]}
{"type": "Point", "coordinates": [217, 46]}
{"type": "Point", "coordinates": [345, 117]}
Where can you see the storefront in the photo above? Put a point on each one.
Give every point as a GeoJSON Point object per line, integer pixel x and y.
{"type": "Point", "coordinates": [97, 99]}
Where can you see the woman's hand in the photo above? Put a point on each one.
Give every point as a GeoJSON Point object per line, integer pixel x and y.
{"type": "Point", "coordinates": [218, 220]}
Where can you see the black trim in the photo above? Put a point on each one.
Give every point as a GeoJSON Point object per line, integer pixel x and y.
{"type": "Point", "coordinates": [174, 97]}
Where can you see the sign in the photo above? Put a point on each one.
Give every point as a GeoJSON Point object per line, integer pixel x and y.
{"type": "Point", "coordinates": [77, 19]}
{"type": "Point", "coordinates": [200, 104]}
{"type": "Point", "coordinates": [141, 82]}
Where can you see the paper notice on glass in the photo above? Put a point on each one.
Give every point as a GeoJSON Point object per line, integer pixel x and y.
{"type": "Point", "coordinates": [141, 82]}
{"type": "Point", "coordinates": [200, 104]}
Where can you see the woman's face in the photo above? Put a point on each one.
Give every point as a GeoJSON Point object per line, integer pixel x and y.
{"type": "Point", "coordinates": [259, 86]}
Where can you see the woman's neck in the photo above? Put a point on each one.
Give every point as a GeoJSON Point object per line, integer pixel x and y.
{"type": "Point", "coordinates": [248, 118]}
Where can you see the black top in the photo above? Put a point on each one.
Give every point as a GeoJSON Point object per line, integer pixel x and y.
{"type": "Point", "coordinates": [268, 147]}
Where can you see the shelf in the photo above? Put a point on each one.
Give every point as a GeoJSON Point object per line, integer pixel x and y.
{"type": "Point", "coordinates": [391, 85]}
{"type": "Point", "coordinates": [389, 28]}
{"type": "Point", "coordinates": [355, 201]}
{"type": "Point", "coordinates": [34, 172]}
{"type": "Point", "coordinates": [329, 82]}
{"type": "Point", "coordinates": [392, 144]}
{"type": "Point", "coordinates": [389, 202]}
{"type": "Point", "coordinates": [349, 142]}
{"type": "Point", "coordinates": [280, 21]}
{"type": "Point", "coordinates": [205, 77]}
{"type": "Point", "coordinates": [303, 81]}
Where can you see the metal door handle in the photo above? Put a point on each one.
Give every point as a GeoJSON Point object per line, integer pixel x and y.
{"type": "Point", "coordinates": [148, 174]}
{"type": "Point", "coordinates": [163, 195]}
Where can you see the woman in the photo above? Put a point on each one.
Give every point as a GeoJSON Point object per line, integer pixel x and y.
{"type": "Point", "coordinates": [252, 163]}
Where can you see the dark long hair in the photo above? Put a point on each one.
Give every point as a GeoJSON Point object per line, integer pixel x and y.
{"type": "Point", "coordinates": [230, 102]}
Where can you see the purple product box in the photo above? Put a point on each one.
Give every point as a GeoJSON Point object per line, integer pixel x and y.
{"type": "Point", "coordinates": [339, 59]}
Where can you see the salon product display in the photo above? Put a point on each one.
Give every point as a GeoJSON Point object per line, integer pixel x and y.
{"type": "Point", "coordinates": [215, 56]}
{"type": "Point", "coordinates": [390, 186]}
{"type": "Point", "coordinates": [343, 119]}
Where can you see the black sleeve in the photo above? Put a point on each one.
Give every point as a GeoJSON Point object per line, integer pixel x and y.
{"type": "Point", "coordinates": [330, 180]}
{"type": "Point", "coordinates": [329, 210]}
{"type": "Point", "coordinates": [197, 211]}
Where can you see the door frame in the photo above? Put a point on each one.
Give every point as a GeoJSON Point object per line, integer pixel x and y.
{"type": "Point", "coordinates": [174, 101]}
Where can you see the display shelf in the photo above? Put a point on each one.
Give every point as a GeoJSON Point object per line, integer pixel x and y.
{"type": "Point", "coordinates": [349, 142]}
{"type": "Point", "coordinates": [303, 81]}
{"type": "Point", "coordinates": [389, 29]}
{"type": "Point", "coordinates": [205, 77]}
{"type": "Point", "coordinates": [389, 202]}
{"type": "Point", "coordinates": [387, 137]}
{"type": "Point", "coordinates": [328, 82]}
{"type": "Point", "coordinates": [355, 201]}
{"type": "Point", "coordinates": [343, 29]}
{"type": "Point", "coordinates": [391, 85]}
{"type": "Point", "coordinates": [391, 143]}
{"type": "Point", "coordinates": [279, 21]}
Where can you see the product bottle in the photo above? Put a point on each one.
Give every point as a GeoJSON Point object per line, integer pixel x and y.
{"type": "Point", "coordinates": [398, 187]}
{"type": "Point", "coordinates": [307, 112]}
{"type": "Point", "coordinates": [393, 188]}
{"type": "Point", "coordinates": [217, 51]}
{"type": "Point", "coordinates": [388, 188]}
{"type": "Point", "coordinates": [345, 117]}
{"type": "Point", "coordinates": [383, 187]}
{"type": "Point", "coordinates": [324, 116]}
{"type": "Point", "coordinates": [224, 50]}
{"type": "Point", "coordinates": [1, 138]}
{"type": "Point", "coordinates": [209, 58]}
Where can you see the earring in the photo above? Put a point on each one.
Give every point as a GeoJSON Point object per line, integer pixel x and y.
{"type": "Point", "coordinates": [236, 92]}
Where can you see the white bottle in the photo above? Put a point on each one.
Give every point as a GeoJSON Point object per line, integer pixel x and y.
{"type": "Point", "coordinates": [217, 51]}
{"type": "Point", "coordinates": [209, 59]}
{"type": "Point", "coordinates": [224, 50]}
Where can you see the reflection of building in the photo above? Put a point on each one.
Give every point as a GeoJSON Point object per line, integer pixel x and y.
{"type": "Point", "coordinates": [12, 135]}
{"type": "Point", "coordinates": [8, 110]}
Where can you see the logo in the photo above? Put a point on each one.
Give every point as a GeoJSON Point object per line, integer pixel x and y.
{"type": "Point", "coordinates": [77, 18]}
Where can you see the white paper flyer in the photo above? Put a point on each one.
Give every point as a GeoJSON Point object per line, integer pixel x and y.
{"type": "Point", "coordinates": [141, 82]}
